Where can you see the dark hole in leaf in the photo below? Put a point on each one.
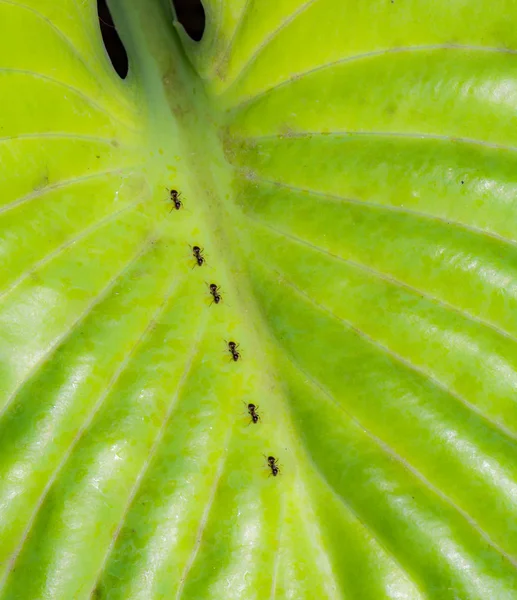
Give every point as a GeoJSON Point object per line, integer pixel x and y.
{"type": "Point", "coordinates": [112, 42]}
{"type": "Point", "coordinates": [191, 14]}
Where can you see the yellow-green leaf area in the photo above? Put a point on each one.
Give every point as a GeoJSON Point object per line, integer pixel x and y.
{"type": "Point", "coordinates": [348, 173]}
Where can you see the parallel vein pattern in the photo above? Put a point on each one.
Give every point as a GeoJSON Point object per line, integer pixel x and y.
{"type": "Point", "coordinates": [365, 245]}
{"type": "Point", "coordinates": [376, 196]}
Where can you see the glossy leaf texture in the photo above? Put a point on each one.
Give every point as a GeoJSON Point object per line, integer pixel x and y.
{"type": "Point", "coordinates": [349, 170]}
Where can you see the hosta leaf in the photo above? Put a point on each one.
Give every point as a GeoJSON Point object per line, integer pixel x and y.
{"type": "Point", "coordinates": [349, 170]}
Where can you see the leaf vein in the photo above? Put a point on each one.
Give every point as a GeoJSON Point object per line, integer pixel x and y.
{"type": "Point", "coordinates": [57, 251]}
{"type": "Point", "coordinates": [71, 88]}
{"type": "Point", "coordinates": [60, 135]}
{"type": "Point", "coordinates": [253, 57]}
{"type": "Point", "coordinates": [154, 448]}
{"type": "Point", "coordinates": [388, 278]}
{"type": "Point", "coordinates": [60, 184]}
{"type": "Point", "coordinates": [406, 362]}
{"type": "Point", "coordinates": [406, 465]}
{"type": "Point", "coordinates": [12, 560]}
{"type": "Point", "coordinates": [205, 516]}
{"type": "Point", "coordinates": [388, 134]}
{"type": "Point", "coordinates": [390, 208]}
{"type": "Point", "coordinates": [68, 42]}
{"type": "Point", "coordinates": [365, 55]}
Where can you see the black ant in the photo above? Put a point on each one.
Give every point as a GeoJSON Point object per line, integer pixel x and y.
{"type": "Point", "coordinates": [273, 465]}
{"type": "Point", "coordinates": [198, 255]}
{"type": "Point", "coordinates": [214, 290]}
{"type": "Point", "coordinates": [232, 348]}
{"type": "Point", "coordinates": [252, 409]}
{"type": "Point", "coordinates": [175, 199]}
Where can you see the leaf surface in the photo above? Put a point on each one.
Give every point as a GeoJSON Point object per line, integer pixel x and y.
{"type": "Point", "coordinates": [349, 172]}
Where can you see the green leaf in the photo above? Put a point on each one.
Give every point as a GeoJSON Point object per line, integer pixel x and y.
{"type": "Point", "coordinates": [350, 170]}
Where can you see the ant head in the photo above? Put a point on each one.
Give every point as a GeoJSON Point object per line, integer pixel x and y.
{"type": "Point", "coordinates": [251, 406]}
{"type": "Point", "coordinates": [196, 248]}
{"type": "Point", "coordinates": [231, 345]}
{"type": "Point", "coordinates": [213, 287]}
{"type": "Point", "coordinates": [271, 460]}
